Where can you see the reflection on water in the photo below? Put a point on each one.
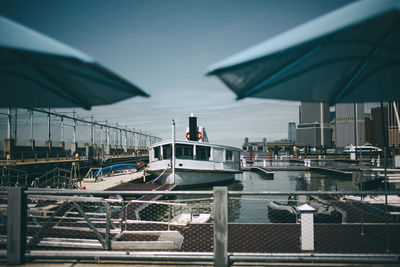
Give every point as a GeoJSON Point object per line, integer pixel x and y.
{"type": "Point", "coordinates": [253, 209]}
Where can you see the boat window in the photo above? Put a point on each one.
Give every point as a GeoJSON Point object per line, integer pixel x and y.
{"type": "Point", "coordinates": [156, 152]}
{"type": "Point", "coordinates": [229, 155]}
{"type": "Point", "coordinates": [203, 152]}
{"type": "Point", "coordinates": [236, 156]}
{"type": "Point", "coordinates": [167, 151]}
{"type": "Point", "coordinates": [184, 151]}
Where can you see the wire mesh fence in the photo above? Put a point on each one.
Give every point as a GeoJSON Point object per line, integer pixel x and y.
{"type": "Point", "coordinates": [3, 222]}
{"type": "Point", "coordinates": [111, 223]}
{"type": "Point", "coordinates": [171, 224]}
{"type": "Point", "coordinates": [337, 223]}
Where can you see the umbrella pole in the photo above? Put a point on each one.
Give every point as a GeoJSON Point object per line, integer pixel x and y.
{"type": "Point", "coordinates": [9, 124]}
{"type": "Point", "coordinates": [385, 177]}
{"type": "Point", "coordinates": [355, 120]}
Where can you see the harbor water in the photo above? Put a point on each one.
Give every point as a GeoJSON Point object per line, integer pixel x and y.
{"type": "Point", "coordinates": [253, 208]}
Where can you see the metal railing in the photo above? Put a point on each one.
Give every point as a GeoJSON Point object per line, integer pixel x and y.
{"type": "Point", "coordinates": [10, 177]}
{"type": "Point", "coordinates": [104, 225]}
{"type": "Point", "coordinates": [59, 178]}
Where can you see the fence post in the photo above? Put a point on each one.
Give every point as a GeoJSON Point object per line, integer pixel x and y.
{"type": "Point", "coordinates": [220, 203]}
{"type": "Point", "coordinates": [307, 227]}
{"type": "Point", "coordinates": [108, 225]}
{"type": "Point", "coordinates": [16, 225]}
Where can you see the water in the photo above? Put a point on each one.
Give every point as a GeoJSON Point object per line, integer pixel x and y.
{"type": "Point", "coordinates": [253, 209]}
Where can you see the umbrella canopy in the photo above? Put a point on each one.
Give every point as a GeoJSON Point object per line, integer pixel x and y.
{"type": "Point", "coordinates": [37, 71]}
{"type": "Point", "coordinates": [349, 55]}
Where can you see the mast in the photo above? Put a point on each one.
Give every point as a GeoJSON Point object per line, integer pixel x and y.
{"type": "Point", "coordinates": [173, 150]}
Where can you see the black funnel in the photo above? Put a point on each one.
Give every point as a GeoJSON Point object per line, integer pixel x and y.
{"type": "Point", "coordinates": [193, 128]}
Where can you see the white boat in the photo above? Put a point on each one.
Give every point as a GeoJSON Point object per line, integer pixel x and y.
{"type": "Point", "coordinates": [197, 162]}
{"type": "Point", "coordinates": [312, 150]}
{"type": "Point", "coordinates": [366, 148]}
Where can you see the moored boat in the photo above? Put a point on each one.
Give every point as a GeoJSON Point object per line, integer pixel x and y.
{"type": "Point", "coordinates": [366, 148]}
{"type": "Point", "coordinates": [325, 213]}
{"type": "Point", "coordinates": [288, 213]}
{"type": "Point", "coordinates": [281, 213]}
{"type": "Point", "coordinates": [197, 162]}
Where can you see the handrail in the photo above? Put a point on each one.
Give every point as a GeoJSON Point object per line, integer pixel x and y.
{"type": "Point", "coordinates": [41, 191]}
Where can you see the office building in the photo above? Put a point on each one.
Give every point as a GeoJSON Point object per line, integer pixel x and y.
{"type": "Point", "coordinates": [259, 146]}
{"type": "Point", "coordinates": [292, 132]}
{"type": "Point", "coordinates": [313, 129]}
{"type": "Point", "coordinates": [393, 127]}
{"type": "Point", "coordinates": [347, 131]}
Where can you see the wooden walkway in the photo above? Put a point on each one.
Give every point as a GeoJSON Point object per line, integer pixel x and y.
{"type": "Point", "coordinates": [112, 181]}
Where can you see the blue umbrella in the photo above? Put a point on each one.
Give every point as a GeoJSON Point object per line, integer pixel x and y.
{"type": "Point", "coordinates": [38, 71]}
{"type": "Point", "coordinates": [349, 55]}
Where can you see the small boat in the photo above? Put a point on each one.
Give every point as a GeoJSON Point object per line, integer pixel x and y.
{"type": "Point", "coordinates": [312, 150]}
{"type": "Point", "coordinates": [282, 213]}
{"type": "Point", "coordinates": [325, 213]}
{"type": "Point", "coordinates": [288, 213]}
{"type": "Point", "coordinates": [195, 162]}
{"type": "Point", "coordinates": [116, 168]}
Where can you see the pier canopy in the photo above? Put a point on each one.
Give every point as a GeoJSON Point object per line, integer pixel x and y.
{"type": "Point", "coordinates": [38, 71]}
{"type": "Point", "coordinates": [348, 55]}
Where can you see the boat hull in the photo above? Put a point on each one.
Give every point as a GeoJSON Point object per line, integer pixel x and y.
{"type": "Point", "coordinates": [281, 213]}
{"type": "Point", "coordinates": [185, 177]}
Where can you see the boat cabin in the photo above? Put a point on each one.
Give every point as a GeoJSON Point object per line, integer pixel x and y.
{"type": "Point", "coordinates": [194, 155]}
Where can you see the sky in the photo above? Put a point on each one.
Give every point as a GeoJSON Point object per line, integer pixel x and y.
{"type": "Point", "coordinates": [165, 47]}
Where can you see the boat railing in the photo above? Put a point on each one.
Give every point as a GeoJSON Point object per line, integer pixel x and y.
{"type": "Point", "coordinates": [10, 176]}
{"type": "Point", "coordinates": [300, 226]}
{"type": "Point", "coordinates": [159, 176]}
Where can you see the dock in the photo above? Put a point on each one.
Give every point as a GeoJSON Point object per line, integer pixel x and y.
{"type": "Point", "coordinates": [322, 169]}
{"type": "Point", "coordinates": [109, 182]}
{"type": "Point", "coordinates": [260, 170]}
{"type": "Point", "coordinates": [332, 170]}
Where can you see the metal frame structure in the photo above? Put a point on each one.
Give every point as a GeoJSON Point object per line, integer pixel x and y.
{"type": "Point", "coordinates": [92, 122]}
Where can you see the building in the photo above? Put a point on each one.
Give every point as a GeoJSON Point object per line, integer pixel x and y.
{"type": "Point", "coordinates": [374, 126]}
{"type": "Point", "coordinates": [393, 127]}
{"type": "Point", "coordinates": [256, 146]}
{"type": "Point", "coordinates": [369, 130]}
{"type": "Point", "coordinates": [292, 132]}
{"type": "Point", "coordinates": [332, 124]}
{"type": "Point", "coordinates": [313, 120]}
{"type": "Point", "coordinates": [348, 132]}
